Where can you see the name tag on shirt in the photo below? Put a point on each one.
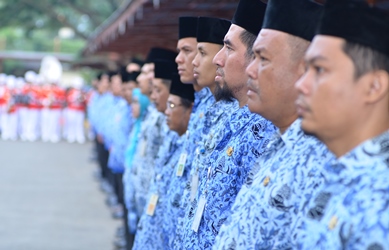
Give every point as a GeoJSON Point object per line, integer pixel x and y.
{"type": "Point", "coordinates": [143, 146]}
{"type": "Point", "coordinates": [199, 214]}
{"type": "Point", "coordinates": [181, 165]}
{"type": "Point", "coordinates": [194, 186]}
{"type": "Point", "coordinates": [152, 204]}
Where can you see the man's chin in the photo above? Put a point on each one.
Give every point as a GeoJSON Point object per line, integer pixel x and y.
{"type": "Point", "coordinates": [253, 106]}
{"type": "Point", "coordinates": [306, 128]}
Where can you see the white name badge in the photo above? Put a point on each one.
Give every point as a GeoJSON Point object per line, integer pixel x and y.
{"type": "Point", "coordinates": [152, 204]}
{"type": "Point", "coordinates": [199, 214]}
{"type": "Point", "coordinates": [143, 146]}
{"type": "Point", "coordinates": [194, 186]}
{"type": "Point", "coordinates": [181, 165]}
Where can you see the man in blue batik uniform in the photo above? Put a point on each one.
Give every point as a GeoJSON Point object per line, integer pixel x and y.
{"type": "Point", "coordinates": [210, 35]}
{"type": "Point", "coordinates": [121, 125]}
{"type": "Point", "coordinates": [344, 102]}
{"type": "Point", "coordinates": [153, 132]}
{"type": "Point", "coordinates": [179, 107]}
{"type": "Point", "coordinates": [289, 173]}
{"type": "Point", "coordinates": [243, 138]}
{"type": "Point", "coordinates": [186, 46]}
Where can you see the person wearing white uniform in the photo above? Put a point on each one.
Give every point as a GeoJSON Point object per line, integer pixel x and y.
{"type": "Point", "coordinates": [2, 97]}
{"type": "Point", "coordinates": [75, 114]}
{"type": "Point", "coordinates": [10, 119]}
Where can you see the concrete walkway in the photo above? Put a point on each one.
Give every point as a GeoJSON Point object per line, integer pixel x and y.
{"type": "Point", "coordinates": [49, 200]}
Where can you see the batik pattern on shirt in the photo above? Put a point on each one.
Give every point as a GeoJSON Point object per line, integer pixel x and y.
{"type": "Point", "coordinates": [121, 128]}
{"type": "Point", "coordinates": [145, 171]}
{"type": "Point", "coordinates": [203, 100]}
{"type": "Point", "coordinates": [215, 117]}
{"type": "Point", "coordinates": [244, 139]}
{"type": "Point", "coordinates": [149, 232]}
{"type": "Point", "coordinates": [277, 189]}
{"type": "Point", "coordinates": [103, 117]}
{"type": "Point", "coordinates": [352, 211]}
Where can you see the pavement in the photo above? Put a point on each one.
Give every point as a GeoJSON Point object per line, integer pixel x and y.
{"type": "Point", "coordinates": [49, 199]}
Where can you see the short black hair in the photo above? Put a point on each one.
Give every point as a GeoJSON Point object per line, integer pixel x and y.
{"type": "Point", "coordinates": [167, 83]}
{"type": "Point", "coordinates": [186, 103]}
{"type": "Point", "coordinates": [365, 59]}
{"type": "Point", "coordinates": [248, 40]}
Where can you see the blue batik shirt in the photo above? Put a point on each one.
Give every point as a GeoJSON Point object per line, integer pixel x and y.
{"type": "Point", "coordinates": [96, 106]}
{"type": "Point", "coordinates": [156, 136]}
{"type": "Point", "coordinates": [203, 100]}
{"type": "Point", "coordinates": [214, 119]}
{"type": "Point", "coordinates": [136, 192]}
{"type": "Point", "coordinates": [244, 139]}
{"type": "Point", "coordinates": [278, 188]}
{"type": "Point", "coordinates": [103, 117]}
{"type": "Point", "coordinates": [111, 107]}
{"type": "Point", "coordinates": [149, 233]}
{"type": "Point", "coordinates": [352, 211]}
{"type": "Point", "coordinates": [121, 128]}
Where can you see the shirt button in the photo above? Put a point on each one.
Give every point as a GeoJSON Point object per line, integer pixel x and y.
{"type": "Point", "coordinates": [333, 222]}
{"type": "Point", "coordinates": [230, 150]}
{"type": "Point", "coordinates": [266, 181]}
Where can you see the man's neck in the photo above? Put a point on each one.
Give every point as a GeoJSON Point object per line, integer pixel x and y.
{"type": "Point", "coordinates": [242, 98]}
{"type": "Point", "coordinates": [197, 87]}
{"type": "Point", "coordinates": [285, 123]}
{"type": "Point", "coordinates": [212, 88]}
{"type": "Point", "coordinates": [352, 137]}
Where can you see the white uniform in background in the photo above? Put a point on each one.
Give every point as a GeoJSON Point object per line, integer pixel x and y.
{"type": "Point", "coordinates": [51, 72]}
{"type": "Point", "coordinates": [75, 114]}
{"type": "Point", "coordinates": [2, 97]}
{"type": "Point", "coordinates": [25, 114]}
{"type": "Point", "coordinates": [21, 106]}
{"type": "Point", "coordinates": [34, 111]}
{"type": "Point", "coordinates": [10, 120]}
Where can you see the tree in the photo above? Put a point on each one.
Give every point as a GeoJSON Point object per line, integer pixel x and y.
{"type": "Point", "coordinates": [83, 16]}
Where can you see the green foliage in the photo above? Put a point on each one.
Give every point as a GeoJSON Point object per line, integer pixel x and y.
{"type": "Point", "coordinates": [40, 40]}
{"type": "Point", "coordinates": [33, 25]}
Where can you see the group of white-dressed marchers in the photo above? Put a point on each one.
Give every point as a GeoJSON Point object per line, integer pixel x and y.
{"type": "Point", "coordinates": [36, 108]}
{"type": "Point", "coordinates": [269, 131]}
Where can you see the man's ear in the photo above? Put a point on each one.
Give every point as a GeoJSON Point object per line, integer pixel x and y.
{"type": "Point", "coordinates": [377, 86]}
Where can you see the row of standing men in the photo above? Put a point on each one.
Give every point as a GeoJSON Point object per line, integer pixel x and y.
{"type": "Point", "coordinates": [274, 136]}
{"type": "Point", "coordinates": [31, 109]}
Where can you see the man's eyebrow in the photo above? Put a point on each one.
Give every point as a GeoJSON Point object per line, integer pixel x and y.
{"type": "Point", "coordinates": [228, 42]}
{"type": "Point", "coordinates": [314, 59]}
{"type": "Point", "coordinates": [259, 50]}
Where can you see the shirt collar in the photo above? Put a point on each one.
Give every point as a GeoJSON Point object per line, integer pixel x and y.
{"type": "Point", "coordinates": [368, 157]}
{"type": "Point", "coordinates": [288, 139]}
{"type": "Point", "coordinates": [240, 118]}
{"type": "Point", "coordinates": [292, 134]}
{"type": "Point", "coordinates": [201, 97]}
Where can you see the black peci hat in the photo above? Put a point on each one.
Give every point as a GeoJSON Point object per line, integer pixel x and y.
{"type": "Point", "coordinates": [164, 69]}
{"type": "Point", "coordinates": [295, 17]}
{"type": "Point", "coordinates": [161, 54]}
{"type": "Point", "coordinates": [137, 61]}
{"type": "Point", "coordinates": [357, 22]}
{"type": "Point", "coordinates": [187, 27]}
{"type": "Point", "coordinates": [133, 75]}
{"type": "Point", "coordinates": [124, 74]}
{"type": "Point", "coordinates": [212, 30]}
{"type": "Point", "coordinates": [177, 88]}
{"type": "Point", "coordinates": [249, 15]}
